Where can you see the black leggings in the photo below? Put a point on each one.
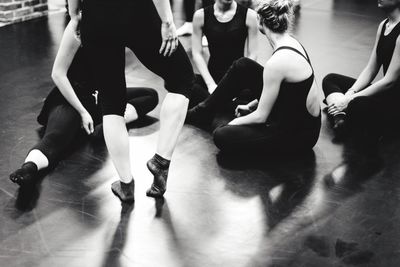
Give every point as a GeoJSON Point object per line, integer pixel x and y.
{"type": "Point", "coordinates": [371, 115]}
{"type": "Point", "coordinates": [63, 125]}
{"type": "Point", "coordinates": [110, 26]}
{"type": "Point", "coordinates": [246, 74]}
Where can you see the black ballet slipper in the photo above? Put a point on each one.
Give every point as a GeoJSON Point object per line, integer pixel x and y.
{"type": "Point", "coordinates": [25, 175]}
{"type": "Point", "coordinates": [199, 116]}
{"type": "Point", "coordinates": [159, 167]}
{"type": "Point", "coordinates": [124, 191]}
{"type": "Point", "coordinates": [339, 125]}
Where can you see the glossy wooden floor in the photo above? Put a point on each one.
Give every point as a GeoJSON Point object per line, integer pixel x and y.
{"type": "Point", "coordinates": [323, 209]}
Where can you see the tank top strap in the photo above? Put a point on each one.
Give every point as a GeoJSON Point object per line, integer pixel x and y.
{"type": "Point", "coordinates": [294, 50]}
{"type": "Point", "coordinates": [208, 14]}
{"type": "Point", "coordinates": [242, 12]}
{"type": "Point", "coordinates": [384, 28]}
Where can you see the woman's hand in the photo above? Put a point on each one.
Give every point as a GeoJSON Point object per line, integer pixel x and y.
{"type": "Point", "coordinates": [87, 122]}
{"type": "Point", "coordinates": [242, 110]}
{"type": "Point", "coordinates": [340, 105]}
{"type": "Point", "coordinates": [169, 39]}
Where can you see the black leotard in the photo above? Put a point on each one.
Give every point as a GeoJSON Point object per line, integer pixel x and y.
{"type": "Point", "coordinates": [386, 45]}
{"type": "Point", "coordinates": [290, 109]}
{"type": "Point", "coordinates": [225, 40]}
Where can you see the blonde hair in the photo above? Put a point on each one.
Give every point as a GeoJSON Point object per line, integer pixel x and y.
{"type": "Point", "coordinates": [276, 15]}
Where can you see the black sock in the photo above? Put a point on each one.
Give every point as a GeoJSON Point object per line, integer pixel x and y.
{"type": "Point", "coordinates": [25, 174]}
{"type": "Point", "coordinates": [161, 162]}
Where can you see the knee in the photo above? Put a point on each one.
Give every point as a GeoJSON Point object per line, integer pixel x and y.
{"type": "Point", "coordinates": [153, 98]}
{"type": "Point", "coordinates": [220, 137]}
{"type": "Point", "coordinates": [328, 81]}
{"type": "Point", "coordinates": [242, 63]}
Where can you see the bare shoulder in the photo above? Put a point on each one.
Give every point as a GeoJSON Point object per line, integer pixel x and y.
{"type": "Point", "coordinates": [199, 15]}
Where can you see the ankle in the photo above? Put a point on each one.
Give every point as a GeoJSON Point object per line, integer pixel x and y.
{"type": "Point", "coordinates": [160, 161]}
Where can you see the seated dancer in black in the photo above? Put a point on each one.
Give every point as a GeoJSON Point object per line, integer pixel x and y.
{"type": "Point", "coordinates": [227, 25]}
{"type": "Point", "coordinates": [285, 115]}
{"type": "Point", "coordinates": [65, 114]}
{"type": "Point", "coordinates": [359, 108]}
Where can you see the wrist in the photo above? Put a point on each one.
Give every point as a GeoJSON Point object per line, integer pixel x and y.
{"type": "Point", "coordinates": [167, 22]}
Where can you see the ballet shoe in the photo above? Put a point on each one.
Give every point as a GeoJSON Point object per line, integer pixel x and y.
{"type": "Point", "coordinates": [124, 191]}
{"type": "Point", "coordinates": [24, 175]}
{"type": "Point", "coordinates": [160, 173]}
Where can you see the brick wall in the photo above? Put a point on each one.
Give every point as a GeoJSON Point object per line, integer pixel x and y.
{"type": "Point", "coordinates": [20, 10]}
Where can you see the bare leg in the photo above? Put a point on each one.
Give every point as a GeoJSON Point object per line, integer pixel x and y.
{"type": "Point", "coordinates": [36, 156]}
{"type": "Point", "coordinates": [117, 141]}
{"type": "Point", "coordinates": [172, 117]}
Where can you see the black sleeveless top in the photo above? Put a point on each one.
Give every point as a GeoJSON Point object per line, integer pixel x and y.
{"type": "Point", "coordinates": [226, 40]}
{"type": "Point", "coordinates": [79, 77]}
{"type": "Point", "coordinates": [386, 45]}
{"type": "Point", "coordinates": [290, 108]}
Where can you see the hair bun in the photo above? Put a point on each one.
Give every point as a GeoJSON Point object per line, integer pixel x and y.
{"type": "Point", "coordinates": [283, 6]}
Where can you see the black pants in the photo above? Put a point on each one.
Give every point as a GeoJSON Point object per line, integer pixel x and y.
{"type": "Point", "coordinates": [366, 116]}
{"type": "Point", "coordinates": [63, 126]}
{"type": "Point", "coordinates": [247, 75]}
{"type": "Point", "coordinates": [110, 26]}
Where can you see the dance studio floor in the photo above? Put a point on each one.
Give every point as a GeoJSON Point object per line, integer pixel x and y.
{"type": "Point", "coordinates": [323, 209]}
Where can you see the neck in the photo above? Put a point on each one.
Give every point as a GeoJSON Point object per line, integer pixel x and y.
{"type": "Point", "coordinates": [223, 7]}
{"type": "Point", "coordinates": [277, 39]}
{"type": "Point", "coordinates": [394, 15]}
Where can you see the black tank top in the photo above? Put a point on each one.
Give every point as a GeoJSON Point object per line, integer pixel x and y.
{"type": "Point", "coordinates": [386, 45]}
{"type": "Point", "coordinates": [225, 40]}
{"type": "Point", "coordinates": [290, 108]}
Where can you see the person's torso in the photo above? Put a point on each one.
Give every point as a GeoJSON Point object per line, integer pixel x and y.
{"type": "Point", "coordinates": [290, 108]}
{"type": "Point", "coordinates": [386, 46]}
{"type": "Point", "coordinates": [226, 40]}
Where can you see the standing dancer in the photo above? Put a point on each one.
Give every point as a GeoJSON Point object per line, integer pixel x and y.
{"type": "Point", "coordinates": [363, 109]}
{"type": "Point", "coordinates": [70, 110]}
{"type": "Point", "coordinates": [147, 28]}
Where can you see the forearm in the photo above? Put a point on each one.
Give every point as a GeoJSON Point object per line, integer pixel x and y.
{"type": "Point", "coordinates": [164, 10]}
{"type": "Point", "coordinates": [68, 92]}
{"type": "Point", "coordinates": [73, 7]}
{"type": "Point", "coordinates": [203, 68]}
{"type": "Point", "coordinates": [363, 80]}
{"type": "Point", "coordinates": [253, 104]}
{"type": "Point", "coordinates": [252, 118]}
{"type": "Point", "coordinates": [378, 87]}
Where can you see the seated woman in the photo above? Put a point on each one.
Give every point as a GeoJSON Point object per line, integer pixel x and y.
{"type": "Point", "coordinates": [71, 110]}
{"type": "Point", "coordinates": [285, 115]}
{"type": "Point", "coordinates": [227, 25]}
{"type": "Point", "coordinates": [358, 107]}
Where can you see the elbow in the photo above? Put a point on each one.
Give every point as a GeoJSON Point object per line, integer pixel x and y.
{"type": "Point", "coordinates": [259, 117]}
{"type": "Point", "coordinates": [56, 76]}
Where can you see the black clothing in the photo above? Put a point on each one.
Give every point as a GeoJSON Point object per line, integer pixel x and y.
{"type": "Point", "coordinates": [226, 41]}
{"type": "Point", "coordinates": [110, 26]}
{"type": "Point", "coordinates": [386, 45]}
{"type": "Point", "coordinates": [189, 5]}
{"type": "Point", "coordinates": [63, 122]}
{"type": "Point", "coordinates": [289, 127]}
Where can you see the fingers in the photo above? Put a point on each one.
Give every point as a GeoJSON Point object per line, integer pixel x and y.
{"type": "Point", "coordinates": [91, 127]}
{"type": "Point", "coordinates": [169, 46]}
{"type": "Point", "coordinates": [163, 45]}
{"type": "Point", "coordinates": [86, 128]}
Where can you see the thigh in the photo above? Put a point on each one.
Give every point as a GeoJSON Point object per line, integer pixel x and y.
{"type": "Point", "coordinates": [108, 72]}
{"type": "Point", "coordinates": [250, 138]}
{"type": "Point", "coordinates": [145, 42]}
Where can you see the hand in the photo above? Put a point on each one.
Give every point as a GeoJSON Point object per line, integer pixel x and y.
{"type": "Point", "coordinates": [87, 122]}
{"type": "Point", "coordinates": [242, 110]}
{"type": "Point", "coordinates": [211, 87]}
{"type": "Point", "coordinates": [169, 39]}
{"type": "Point", "coordinates": [75, 24]}
{"type": "Point", "coordinates": [340, 105]}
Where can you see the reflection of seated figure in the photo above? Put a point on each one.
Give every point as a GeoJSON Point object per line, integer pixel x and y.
{"type": "Point", "coordinates": [71, 109]}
